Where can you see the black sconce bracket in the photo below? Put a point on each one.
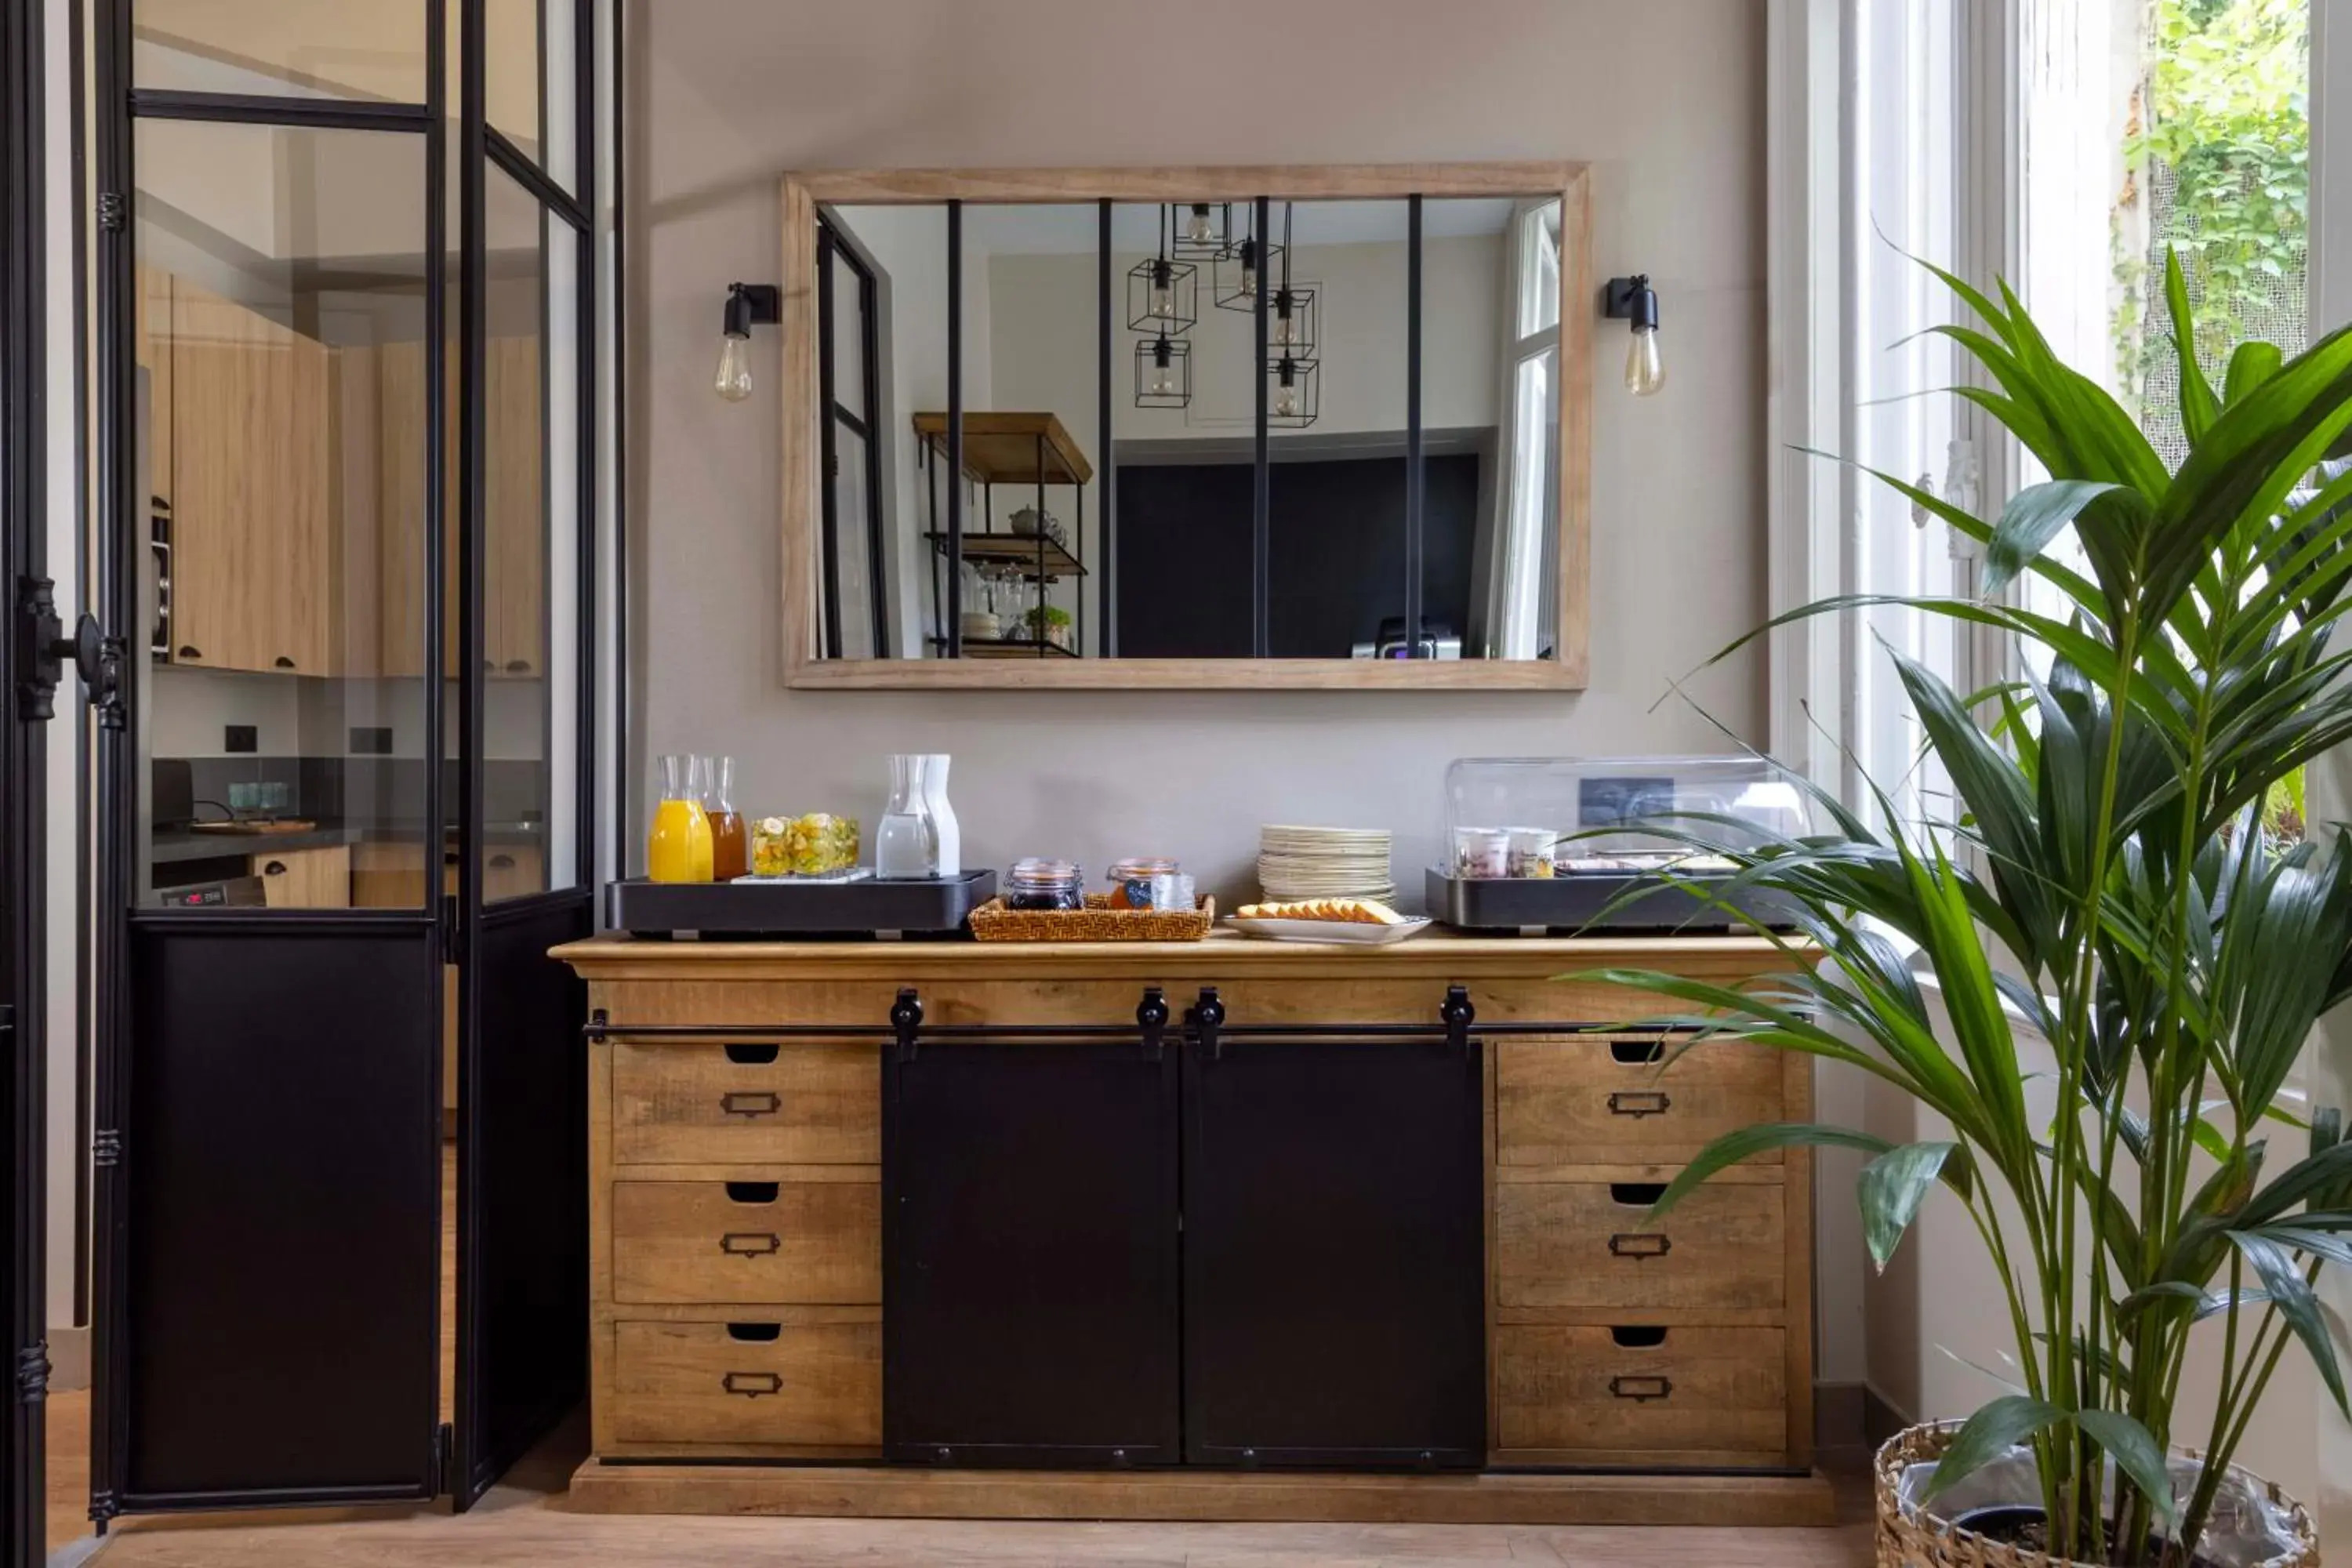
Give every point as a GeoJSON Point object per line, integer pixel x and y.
{"type": "Point", "coordinates": [752, 305]}
{"type": "Point", "coordinates": [1631, 299]}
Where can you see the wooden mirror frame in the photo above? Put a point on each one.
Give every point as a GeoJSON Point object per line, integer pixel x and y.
{"type": "Point", "coordinates": [803, 193]}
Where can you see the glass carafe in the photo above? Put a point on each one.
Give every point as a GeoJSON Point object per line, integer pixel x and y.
{"type": "Point", "coordinates": [730, 851]}
{"type": "Point", "coordinates": [679, 850]}
{"type": "Point", "coordinates": [904, 844]}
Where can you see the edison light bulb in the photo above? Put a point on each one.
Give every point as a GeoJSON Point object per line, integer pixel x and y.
{"type": "Point", "coordinates": [733, 381]}
{"type": "Point", "coordinates": [1198, 231]}
{"type": "Point", "coordinates": [1285, 396]}
{"type": "Point", "coordinates": [1249, 269]}
{"type": "Point", "coordinates": [1162, 304]}
{"type": "Point", "coordinates": [1646, 372]}
{"type": "Point", "coordinates": [1284, 332]}
{"type": "Point", "coordinates": [1163, 372]}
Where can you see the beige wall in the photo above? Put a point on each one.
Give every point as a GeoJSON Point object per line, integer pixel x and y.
{"type": "Point", "coordinates": [729, 93]}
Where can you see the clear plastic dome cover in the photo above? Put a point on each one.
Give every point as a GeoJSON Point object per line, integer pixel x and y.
{"type": "Point", "coordinates": [1615, 814]}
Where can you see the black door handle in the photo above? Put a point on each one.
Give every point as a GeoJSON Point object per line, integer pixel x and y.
{"type": "Point", "coordinates": [501, 862]}
{"type": "Point", "coordinates": [518, 667]}
{"type": "Point", "coordinates": [745, 1102]}
{"type": "Point", "coordinates": [284, 662]}
{"type": "Point", "coordinates": [750, 1243]}
{"type": "Point", "coordinates": [1640, 1389]}
{"type": "Point", "coordinates": [1639, 1102]}
{"type": "Point", "coordinates": [187, 652]}
{"type": "Point", "coordinates": [275, 868]}
{"type": "Point", "coordinates": [752, 1384]}
{"type": "Point", "coordinates": [1646, 1244]}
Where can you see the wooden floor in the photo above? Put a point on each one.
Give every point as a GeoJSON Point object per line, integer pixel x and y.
{"type": "Point", "coordinates": [524, 1521]}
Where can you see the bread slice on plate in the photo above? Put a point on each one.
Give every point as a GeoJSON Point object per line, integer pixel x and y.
{"type": "Point", "coordinates": [1341, 912]}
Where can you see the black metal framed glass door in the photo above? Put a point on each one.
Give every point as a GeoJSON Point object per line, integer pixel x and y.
{"type": "Point", "coordinates": [29, 673]}
{"type": "Point", "coordinates": [346, 363]}
{"type": "Point", "coordinates": [272, 413]}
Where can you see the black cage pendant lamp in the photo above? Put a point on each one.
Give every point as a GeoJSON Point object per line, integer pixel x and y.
{"type": "Point", "coordinates": [1290, 324]}
{"type": "Point", "coordinates": [1239, 270]}
{"type": "Point", "coordinates": [1163, 294]}
{"type": "Point", "coordinates": [1163, 372]}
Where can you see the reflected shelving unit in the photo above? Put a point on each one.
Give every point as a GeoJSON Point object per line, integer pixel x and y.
{"type": "Point", "coordinates": [1032, 451]}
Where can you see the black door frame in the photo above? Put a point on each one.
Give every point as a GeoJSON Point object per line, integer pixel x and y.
{"type": "Point", "coordinates": [23, 772]}
{"type": "Point", "coordinates": [480, 1454]}
{"type": "Point", "coordinates": [864, 422]}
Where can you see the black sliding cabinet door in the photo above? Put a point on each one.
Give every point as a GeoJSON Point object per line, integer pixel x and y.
{"type": "Point", "coordinates": [24, 715]}
{"type": "Point", "coordinates": [526, 700]}
{"type": "Point", "coordinates": [1030, 1254]}
{"type": "Point", "coordinates": [1334, 1298]}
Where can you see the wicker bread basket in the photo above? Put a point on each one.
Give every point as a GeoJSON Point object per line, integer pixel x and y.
{"type": "Point", "coordinates": [1918, 1540]}
{"type": "Point", "coordinates": [1099, 921]}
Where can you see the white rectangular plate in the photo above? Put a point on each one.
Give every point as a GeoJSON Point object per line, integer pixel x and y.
{"type": "Point", "coordinates": [1345, 932]}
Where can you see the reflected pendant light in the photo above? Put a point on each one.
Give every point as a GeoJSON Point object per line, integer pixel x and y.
{"type": "Point", "coordinates": [1162, 293]}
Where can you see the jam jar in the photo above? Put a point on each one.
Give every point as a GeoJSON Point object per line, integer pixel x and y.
{"type": "Point", "coordinates": [1130, 881]}
{"type": "Point", "coordinates": [1045, 885]}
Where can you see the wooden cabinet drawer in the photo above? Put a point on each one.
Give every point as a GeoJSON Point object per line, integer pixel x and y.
{"type": "Point", "coordinates": [1586, 1244]}
{"type": "Point", "coordinates": [753, 1102]}
{"type": "Point", "coordinates": [726, 1385]}
{"type": "Point", "coordinates": [747, 1241]}
{"type": "Point", "coordinates": [1642, 1390]}
{"type": "Point", "coordinates": [1606, 1102]}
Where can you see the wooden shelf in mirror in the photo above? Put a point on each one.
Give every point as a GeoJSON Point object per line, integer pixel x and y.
{"type": "Point", "coordinates": [1011, 448]}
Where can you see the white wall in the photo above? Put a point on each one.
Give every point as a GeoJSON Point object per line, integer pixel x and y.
{"type": "Point", "coordinates": [734, 93]}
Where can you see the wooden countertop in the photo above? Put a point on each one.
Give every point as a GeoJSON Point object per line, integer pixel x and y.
{"type": "Point", "coordinates": [1224, 954]}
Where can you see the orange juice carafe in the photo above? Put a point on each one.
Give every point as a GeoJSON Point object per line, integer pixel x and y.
{"type": "Point", "coordinates": [679, 847]}
{"type": "Point", "coordinates": [730, 852]}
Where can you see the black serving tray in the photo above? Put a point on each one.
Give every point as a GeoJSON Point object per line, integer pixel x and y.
{"type": "Point", "coordinates": [1570, 905]}
{"type": "Point", "coordinates": [929, 906]}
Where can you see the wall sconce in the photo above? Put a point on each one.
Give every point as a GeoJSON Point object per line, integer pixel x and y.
{"type": "Point", "coordinates": [749, 305]}
{"type": "Point", "coordinates": [1633, 299]}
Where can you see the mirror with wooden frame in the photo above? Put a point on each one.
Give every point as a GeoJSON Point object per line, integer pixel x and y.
{"type": "Point", "coordinates": [1237, 428]}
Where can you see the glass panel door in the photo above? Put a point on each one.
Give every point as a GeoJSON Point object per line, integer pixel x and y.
{"type": "Point", "coordinates": [267, 1138]}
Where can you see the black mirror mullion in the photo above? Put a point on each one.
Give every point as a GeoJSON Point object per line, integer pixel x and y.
{"type": "Point", "coordinates": [1261, 487]}
{"type": "Point", "coordinates": [1106, 480]}
{"type": "Point", "coordinates": [1412, 466]}
{"type": "Point", "coordinates": [952, 633]}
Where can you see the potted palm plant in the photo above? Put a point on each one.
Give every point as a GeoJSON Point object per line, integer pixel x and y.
{"type": "Point", "coordinates": [2111, 884]}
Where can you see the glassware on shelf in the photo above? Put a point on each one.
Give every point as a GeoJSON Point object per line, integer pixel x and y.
{"type": "Point", "coordinates": [729, 851]}
{"type": "Point", "coordinates": [679, 850]}
{"type": "Point", "coordinates": [906, 844]}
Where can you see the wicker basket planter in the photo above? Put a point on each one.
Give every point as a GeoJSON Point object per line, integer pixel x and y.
{"type": "Point", "coordinates": [1911, 1537]}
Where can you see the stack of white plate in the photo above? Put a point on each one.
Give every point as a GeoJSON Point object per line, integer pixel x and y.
{"type": "Point", "coordinates": [1298, 863]}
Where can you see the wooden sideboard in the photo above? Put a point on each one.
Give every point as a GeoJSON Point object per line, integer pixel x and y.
{"type": "Point", "coordinates": [759, 1123]}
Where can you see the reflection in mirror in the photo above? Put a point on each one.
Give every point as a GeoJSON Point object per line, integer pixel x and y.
{"type": "Point", "coordinates": [1032, 396]}
{"type": "Point", "coordinates": [1342, 556]}
{"type": "Point", "coordinates": [1514, 610]}
{"type": "Point", "coordinates": [882, 335]}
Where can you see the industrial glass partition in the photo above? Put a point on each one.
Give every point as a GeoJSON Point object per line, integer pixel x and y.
{"type": "Point", "coordinates": [351, 447]}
